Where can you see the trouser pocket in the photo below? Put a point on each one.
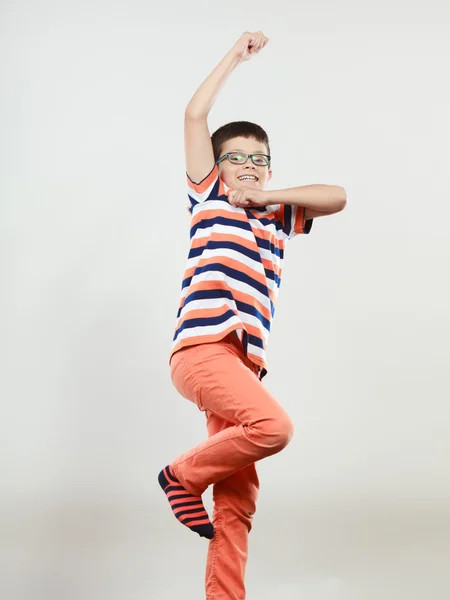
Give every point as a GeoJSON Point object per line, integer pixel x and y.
{"type": "Point", "coordinates": [184, 381]}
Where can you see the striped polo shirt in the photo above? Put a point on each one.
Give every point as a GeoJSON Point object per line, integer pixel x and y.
{"type": "Point", "coordinates": [234, 267]}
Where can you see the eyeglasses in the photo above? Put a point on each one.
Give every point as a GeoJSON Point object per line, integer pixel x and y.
{"type": "Point", "coordinates": [240, 158]}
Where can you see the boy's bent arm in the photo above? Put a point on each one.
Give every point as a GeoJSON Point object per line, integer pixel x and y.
{"type": "Point", "coordinates": [318, 199]}
{"type": "Point", "coordinates": [198, 146]}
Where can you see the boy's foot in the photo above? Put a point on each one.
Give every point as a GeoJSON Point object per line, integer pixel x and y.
{"type": "Point", "coordinates": [187, 508]}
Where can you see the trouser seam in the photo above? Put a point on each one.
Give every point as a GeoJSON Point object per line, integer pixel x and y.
{"type": "Point", "coordinates": [223, 387]}
{"type": "Point", "coordinates": [217, 536]}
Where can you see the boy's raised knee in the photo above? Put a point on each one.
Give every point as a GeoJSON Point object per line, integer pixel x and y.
{"type": "Point", "coordinates": [274, 433]}
{"type": "Point", "coordinates": [286, 432]}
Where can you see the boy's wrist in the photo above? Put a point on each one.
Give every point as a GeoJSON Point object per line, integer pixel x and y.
{"type": "Point", "coordinates": [233, 57]}
{"type": "Point", "coordinates": [269, 197]}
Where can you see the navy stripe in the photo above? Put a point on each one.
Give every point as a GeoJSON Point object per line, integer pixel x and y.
{"type": "Point", "coordinates": [256, 341]}
{"type": "Point", "coordinates": [206, 223]}
{"type": "Point", "coordinates": [200, 517]}
{"type": "Point", "coordinates": [174, 487]}
{"type": "Point", "coordinates": [214, 195]}
{"type": "Point", "coordinates": [234, 273]}
{"type": "Point", "coordinates": [271, 275]}
{"type": "Point", "coordinates": [187, 495]}
{"type": "Point", "coordinates": [287, 219]}
{"type": "Point", "coordinates": [256, 256]}
{"type": "Point", "coordinates": [187, 505]}
{"type": "Point", "coordinates": [210, 245]}
{"type": "Point", "coordinates": [192, 511]}
{"type": "Point", "coordinates": [205, 295]}
{"type": "Point", "coordinates": [196, 252]}
{"type": "Point", "coordinates": [193, 203]}
{"type": "Point", "coordinates": [199, 322]}
{"type": "Point", "coordinates": [214, 294]}
{"type": "Point", "coordinates": [269, 246]}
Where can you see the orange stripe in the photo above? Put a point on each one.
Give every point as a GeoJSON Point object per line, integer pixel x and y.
{"type": "Point", "coordinates": [227, 262]}
{"type": "Point", "coordinates": [173, 494]}
{"type": "Point", "coordinates": [202, 514]}
{"type": "Point", "coordinates": [257, 360]}
{"type": "Point", "coordinates": [280, 214]}
{"type": "Point", "coordinates": [298, 223]}
{"type": "Point", "coordinates": [248, 244]}
{"type": "Point", "coordinates": [235, 264]}
{"type": "Point", "coordinates": [200, 510]}
{"type": "Point", "coordinates": [216, 213]}
{"type": "Point", "coordinates": [204, 185]}
{"type": "Point", "coordinates": [204, 521]}
{"type": "Point", "coordinates": [262, 234]}
{"type": "Point", "coordinates": [197, 503]}
{"type": "Point", "coordinates": [270, 266]}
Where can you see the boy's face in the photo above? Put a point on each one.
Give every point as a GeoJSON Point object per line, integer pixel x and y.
{"type": "Point", "coordinates": [230, 172]}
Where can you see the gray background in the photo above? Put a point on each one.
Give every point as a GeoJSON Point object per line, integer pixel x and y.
{"type": "Point", "coordinates": [94, 238]}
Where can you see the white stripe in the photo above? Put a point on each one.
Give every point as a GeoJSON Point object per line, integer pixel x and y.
{"type": "Point", "coordinates": [213, 205]}
{"type": "Point", "coordinates": [201, 196]}
{"type": "Point", "coordinates": [256, 350]}
{"type": "Point", "coordinates": [219, 276]}
{"type": "Point", "coordinates": [225, 230]}
{"type": "Point", "coordinates": [292, 233]}
{"type": "Point", "coordinates": [226, 252]}
{"type": "Point", "coordinates": [265, 254]}
{"type": "Point", "coordinates": [254, 224]}
{"type": "Point", "coordinates": [247, 235]}
{"type": "Point", "coordinates": [232, 284]}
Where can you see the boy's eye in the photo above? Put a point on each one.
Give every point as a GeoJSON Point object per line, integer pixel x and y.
{"type": "Point", "coordinates": [260, 160]}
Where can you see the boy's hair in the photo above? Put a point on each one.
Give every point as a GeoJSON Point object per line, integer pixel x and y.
{"type": "Point", "coordinates": [238, 129]}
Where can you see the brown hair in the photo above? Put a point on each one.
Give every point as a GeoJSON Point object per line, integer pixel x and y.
{"type": "Point", "coordinates": [238, 129]}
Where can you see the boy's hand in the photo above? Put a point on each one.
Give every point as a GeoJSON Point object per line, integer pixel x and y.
{"type": "Point", "coordinates": [249, 44]}
{"type": "Point", "coordinates": [246, 197]}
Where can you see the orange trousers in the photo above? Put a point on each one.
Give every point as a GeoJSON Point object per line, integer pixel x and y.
{"type": "Point", "coordinates": [245, 424]}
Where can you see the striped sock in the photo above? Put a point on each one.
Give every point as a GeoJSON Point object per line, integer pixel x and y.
{"type": "Point", "coordinates": [187, 508]}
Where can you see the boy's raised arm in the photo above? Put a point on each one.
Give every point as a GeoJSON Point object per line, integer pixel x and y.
{"type": "Point", "coordinates": [197, 138]}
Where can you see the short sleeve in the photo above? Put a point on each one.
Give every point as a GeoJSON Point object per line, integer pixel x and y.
{"type": "Point", "coordinates": [292, 218]}
{"type": "Point", "coordinates": [209, 188]}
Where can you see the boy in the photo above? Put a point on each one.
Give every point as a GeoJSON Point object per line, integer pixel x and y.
{"type": "Point", "coordinates": [218, 358]}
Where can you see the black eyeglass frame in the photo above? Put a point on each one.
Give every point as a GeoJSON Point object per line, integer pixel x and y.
{"type": "Point", "coordinates": [227, 155]}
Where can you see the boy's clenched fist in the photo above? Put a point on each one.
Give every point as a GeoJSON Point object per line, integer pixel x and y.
{"type": "Point", "coordinates": [246, 197]}
{"type": "Point", "coordinates": [249, 44]}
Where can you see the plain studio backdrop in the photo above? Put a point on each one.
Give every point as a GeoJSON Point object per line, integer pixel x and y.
{"type": "Point", "coordinates": [94, 239]}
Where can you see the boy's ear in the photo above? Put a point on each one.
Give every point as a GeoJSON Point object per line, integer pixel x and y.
{"type": "Point", "coordinates": [270, 175]}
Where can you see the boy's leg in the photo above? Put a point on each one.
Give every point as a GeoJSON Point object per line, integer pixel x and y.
{"type": "Point", "coordinates": [218, 379]}
{"type": "Point", "coordinates": [234, 506]}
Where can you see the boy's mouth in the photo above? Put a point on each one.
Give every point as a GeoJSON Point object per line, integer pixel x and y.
{"type": "Point", "coordinates": [248, 179]}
